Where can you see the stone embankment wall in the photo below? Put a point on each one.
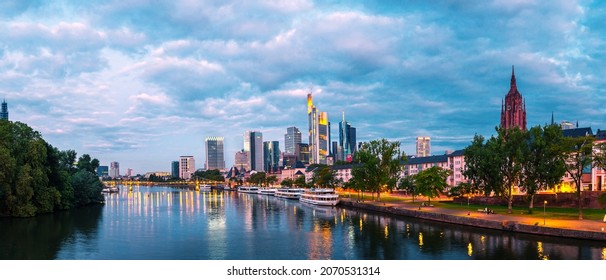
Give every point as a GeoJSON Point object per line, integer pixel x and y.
{"type": "Point", "coordinates": [589, 200]}
{"type": "Point", "coordinates": [511, 226]}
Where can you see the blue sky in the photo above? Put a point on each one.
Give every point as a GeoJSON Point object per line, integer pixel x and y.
{"type": "Point", "coordinates": [143, 82]}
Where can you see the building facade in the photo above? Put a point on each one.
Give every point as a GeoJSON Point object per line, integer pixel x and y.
{"type": "Point", "coordinates": [423, 146]}
{"type": "Point", "coordinates": [271, 152]}
{"type": "Point", "coordinates": [187, 167]}
{"type": "Point", "coordinates": [174, 168]}
{"type": "Point", "coordinates": [347, 141]}
{"type": "Point", "coordinates": [114, 170]}
{"type": "Point", "coordinates": [242, 161]}
{"type": "Point", "coordinates": [291, 139]}
{"type": "Point", "coordinates": [513, 109]}
{"type": "Point", "coordinates": [319, 138]}
{"type": "Point", "coordinates": [214, 153]}
{"type": "Point", "coordinates": [4, 112]}
{"type": "Point", "coordinates": [253, 145]}
{"type": "Point", "coordinates": [103, 171]}
{"type": "Point", "coordinates": [303, 153]}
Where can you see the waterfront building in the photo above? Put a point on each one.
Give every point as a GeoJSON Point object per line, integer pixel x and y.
{"type": "Point", "coordinates": [513, 109]}
{"type": "Point", "coordinates": [187, 167]}
{"type": "Point", "coordinates": [174, 168]}
{"type": "Point", "coordinates": [347, 141]}
{"type": "Point", "coordinates": [453, 161]}
{"type": "Point", "coordinates": [343, 172]}
{"type": "Point", "coordinates": [4, 112]}
{"type": "Point", "coordinates": [103, 171]}
{"type": "Point", "coordinates": [253, 144]}
{"type": "Point", "coordinates": [291, 139]}
{"type": "Point", "coordinates": [114, 170]}
{"type": "Point", "coordinates": [318, 133]}
{"type": "Point", "coordinates": [423, 146]}
{"type": "Point", "coordinates": [456, 164]}
{"type": "Point", "coordinates": [214, 153]}
{"type": "Point", "coordinates": [271, 152]}
{"type": "Point", "coordinates": [303, 153]}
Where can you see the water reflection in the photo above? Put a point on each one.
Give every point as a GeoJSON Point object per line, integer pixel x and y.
{"type": "Point", "coordinates": [165, 223]}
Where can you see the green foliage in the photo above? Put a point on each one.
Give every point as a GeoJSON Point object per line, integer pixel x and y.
{"type": "Point", "coordinates": [431, 182]}
{"type": "Point", "coordinates": [602, 200]}
{"type": "Point", "coordinates": [579, 151]}
{"type": "Point", "coordinates": [380, 166]}
{"type": "Point", "coordinates": [288, 182]}
{"type": "Point", "coordinates": [211, 175]}
{"type": "Point", "coordinates": [36, 177]}
{"type": "Point", "coordinates": [325, 177]}
{"type": "Point", "coordinates": [300, 182]}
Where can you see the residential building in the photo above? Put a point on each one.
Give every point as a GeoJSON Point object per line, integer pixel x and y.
{"type": "Point", "coordinates": [114, 170]}
{"type": "Point", "coordinates": [214, 153]}
{"type": "Point", "coordinates": [271, 152]}
{"type": "Point", "coordinates": [291, 139]}
{"type": "Point", "coordinates": [4, 112]}
{"type": "Point", "coordinates": [453, 161]}
{"type": "Point", "coordinates": [187, 167]}
{"type": "Point", "coordinates": [513, 109]}
{"type": "Point", "coordinates": [423, 146]}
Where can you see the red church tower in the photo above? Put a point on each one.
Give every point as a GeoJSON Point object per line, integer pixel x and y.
{"type": "Point", "coordinates": [513, 111]}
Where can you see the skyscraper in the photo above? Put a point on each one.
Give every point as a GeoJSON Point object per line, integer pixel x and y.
{"type": "Point", "coordinates": [4, 112]}
{"type": "Point", "coordinates": [303, 153]}
{"type": "Point", "coordinates": [214, 153]}
{"type": "Point", "coordinates": [513, 110]}
{"type": "Point", "coordinates": [187, 167]}
{"type": "Point", "coordinates": [423, 146]}
{"type": "Point", "coordinates": [174, 167]}
{"type": "Point", "coordinates": [291, 139]}
{"type": "Point", "coordinates": [242, 160]}
{"type": "Point", "coordinates": [271, 152]}
{"type": "Point", "coordinates": [114, 170]}
{"type": "Point", "coordinates": [103, 171]}
{"type": "Point", "coordinates": [347, 141]}
{"type": "Point", "coordinates": [253, 144]}
{"type": "Point", "coordinates": [318, 133]}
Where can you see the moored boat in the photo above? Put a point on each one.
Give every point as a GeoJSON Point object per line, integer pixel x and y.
{"type": "Point", "coordinates": [205, 187]}
{"type": "Point", "coordinates": [267, 191]}
{"type": "Point", "coordinates": [289, 193]}
{"type": "Point", "coordinates": [248, 189]}
{"type": "Point", "coordinates": [110, 190]}
{"type": "Point", "coordinates": [322, 197]}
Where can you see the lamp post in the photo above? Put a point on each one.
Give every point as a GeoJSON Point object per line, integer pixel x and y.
{"type": "Point", "coordinates": [468, 197]}
{"type": "Point", "coordinates": [544, 205]}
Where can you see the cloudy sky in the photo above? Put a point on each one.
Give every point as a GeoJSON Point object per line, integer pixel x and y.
{"type": "Point", "coordinates": [142, 82]}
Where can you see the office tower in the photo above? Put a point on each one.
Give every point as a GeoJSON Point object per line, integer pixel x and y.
{"type": "Point", "coordinates": [4, 112]}
{"type": "Point", "coordinates": [271, 152]}
{"type": "Point", "coordinates": [318, 133]}
{"type": "Point", "coordinates": [513, 110]}
{"type": "Point", "coordinates": [423, 146]}
{"type": "Point", "coordinates": [103, 171]}
{"type": "Point", "coordinates": [174, 168]}
{"type": "Point", "coordinates": [242, 161]}
{"type": "Point", "coordinates": [303, 153]}
{"type": "Point", "coordinates": [334, 151]}
{"type": "Point", "coordinates": [291, 139]}
{"type": "Point", "coordinates": [187, 167]}
{"type": "Point", "coordinates": [253, 144]}
{"type": "Point", "coordinates": [347, 140]}
{"type": "Point", "coordinates": [129, 172]}
{"type": "Point", "coordinates": [214, 153]}
{"type": "Point", "coordinates": [114, 170]}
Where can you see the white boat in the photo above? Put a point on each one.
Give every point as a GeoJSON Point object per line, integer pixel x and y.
{"type": "Point", "coordinates": [110, 190]}
{"type": "Point", "coordinates": [289, 193]}
{"type": "Point", "coordinates": [248, 189]}
{"type": "Point", "coordinates": [267, 191]}
{"type": "Point", "coordinates": [205, 187]}
{"type": "Point", "coordinates": [322, 197]}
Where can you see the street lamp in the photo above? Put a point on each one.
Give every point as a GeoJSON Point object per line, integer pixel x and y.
{"type": "Point", "coordinates": [468, 197]}
{"type": "Point", "coordinates": [544, 205]}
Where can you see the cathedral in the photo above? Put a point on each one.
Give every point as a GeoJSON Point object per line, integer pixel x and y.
{"type": "Point", "coordinates": [513, 109]}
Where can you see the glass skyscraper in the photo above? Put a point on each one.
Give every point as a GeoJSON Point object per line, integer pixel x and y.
{"type": "Point", "coordinates": [318, 133]}
{"type": "Point", "coordinates": [4, 112]}
{"type": "Point", "coordinates": [347, 141]}
{"type": "Point", "coordinates": [291, 139]}
{"type": "Point", "coordinates": [214, 153]}
{"type": "Point", "coordinates": [271, 151]}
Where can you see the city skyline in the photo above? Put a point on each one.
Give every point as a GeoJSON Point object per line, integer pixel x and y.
{"type": "Point", "coordinates": [143, 84]}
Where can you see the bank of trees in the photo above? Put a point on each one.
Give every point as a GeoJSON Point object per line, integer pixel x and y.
{"type": "Point", "coordinates": [36, 177]}
{"type": "Point", "coordinates": [532, 160]}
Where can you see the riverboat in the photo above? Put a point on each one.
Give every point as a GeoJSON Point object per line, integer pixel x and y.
{"type": "Point", "coordinates": [289, 193]}
{"type": "Point", "coordinates": [322, 197]}
{"type": "Point", "coordinates": [205, 188]}
{"type": "Point", "coordinates": [267, 191]}
{"type": "Point", "coordinates": [248, 189]}
{"type": "Point", "coordinates": [110, 190]}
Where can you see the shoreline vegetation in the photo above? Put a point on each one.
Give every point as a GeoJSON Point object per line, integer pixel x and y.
{"type": "Point", "coordinates": [37, 178]}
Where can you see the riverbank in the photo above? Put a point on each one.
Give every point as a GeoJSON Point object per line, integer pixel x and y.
{"type": "Point", "coordinates": [579, 229]}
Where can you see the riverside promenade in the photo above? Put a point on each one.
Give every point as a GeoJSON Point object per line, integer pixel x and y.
{"type": "Point", "coordinates": [567, 228]}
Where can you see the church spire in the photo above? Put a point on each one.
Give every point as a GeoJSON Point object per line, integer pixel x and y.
{"type": "Point", "coordinates": [513, 78]}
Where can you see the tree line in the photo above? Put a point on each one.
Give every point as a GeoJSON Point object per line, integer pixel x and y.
{"type": "Point", "coordinates": [36, 177]}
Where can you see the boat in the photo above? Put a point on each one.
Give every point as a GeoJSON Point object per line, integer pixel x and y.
{"type": "Point", "coordinates": [289, 193]}
{"type": "Point", "coordinates": [248, 189]}
{"type": "Point", "coordinates": [267, 191]}
{"type": "Point", "coordinates": [110, 190]}
{"type": "Point", "coordinates": [205, 188]}
{"type": "Point", "coordinates": [322, 197]}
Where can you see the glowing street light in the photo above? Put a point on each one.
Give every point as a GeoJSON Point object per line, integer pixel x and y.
{"type": "Point", "coordinates": [468, 197]}
{"type": "Point", "coordinates": [544, 205]}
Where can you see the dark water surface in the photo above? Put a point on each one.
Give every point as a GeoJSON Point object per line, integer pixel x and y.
{"type": "Point", "coordinates": [164, 223]}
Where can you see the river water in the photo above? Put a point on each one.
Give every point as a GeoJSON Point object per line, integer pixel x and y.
{"type": "Point", "coordinates": [174, 224]}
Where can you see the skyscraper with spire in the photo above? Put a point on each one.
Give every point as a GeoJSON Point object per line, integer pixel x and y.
{"type": "Point", "coordinates": [513, 109]}
{"type": "Point", "coordinates": [318, 133]}
{"type": "Point", "coordinates": [4, 112]}
{"type": "Point", "coordinates": [347, 141]}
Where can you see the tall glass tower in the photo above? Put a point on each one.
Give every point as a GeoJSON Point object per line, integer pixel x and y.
{"type": "Point", "coordinates": [318, 133]}
{"type": "Point", "coordinates": [4, 112]}
{"type": "Point", "coordinates": [347, 141]}
{"type": "Point", "coordinates": [291, 139]}
{"type": "Point", "coordinates": [214, 153]}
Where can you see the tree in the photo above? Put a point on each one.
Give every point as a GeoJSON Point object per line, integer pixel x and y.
{"type": "Point", "coordinates": [543, 161]}
{"type": "Point", "coordinates": [511, 144]}
{"type": "Point", "coordinates": [324, 177]}
{"type": "Point", "coordinates": [578, 156]}
{"type": "Point", "coordinates": [483, 161]}
{"type": "Point", "coordinates": [300, 182]}
{"type": "Point", "coordinates": [287, 182]}
{"type": "Point", "coordinates": [432, 181]}
{"type": "Point", "coordinates": [380, 166]}
{"type": "Point", "coordinates": [258, 178]}
{"type": "Point", "coordinates": [408, 184]}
